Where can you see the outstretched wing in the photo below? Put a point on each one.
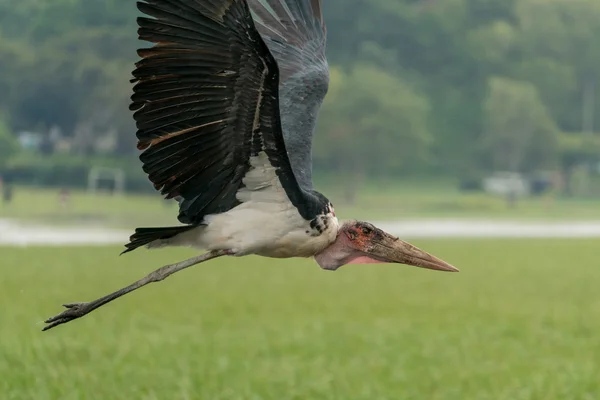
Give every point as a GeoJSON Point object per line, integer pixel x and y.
{"type": "Point", "coordinates": [295, 33]}
{"type": "Point", "coordinates": [206, 103]}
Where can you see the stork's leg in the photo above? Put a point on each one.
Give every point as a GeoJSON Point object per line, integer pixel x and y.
{"type": "Point", "coordinates": [78, 310]}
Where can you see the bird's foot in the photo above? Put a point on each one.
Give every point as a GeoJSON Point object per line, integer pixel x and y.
{"type": "Point", "coordinates": [73, 311]}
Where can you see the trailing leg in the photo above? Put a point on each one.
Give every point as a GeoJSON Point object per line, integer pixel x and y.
{"type": "Point", "coordinates": [78, 310]}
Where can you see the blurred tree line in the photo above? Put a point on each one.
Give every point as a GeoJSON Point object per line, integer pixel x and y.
{"type": "Point", "coordinates": [450, 87]}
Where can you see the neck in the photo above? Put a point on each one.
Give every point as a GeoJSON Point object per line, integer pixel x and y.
{"type": "Point", "coordinates": [333, 257]}
{"type": "Point", "coordinates": [338, 253]}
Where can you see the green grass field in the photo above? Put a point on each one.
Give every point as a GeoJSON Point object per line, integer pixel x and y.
{"type": "Point", "coordinates": [520, 322]}
{"type": "Point", "coordinates": [378, 201]}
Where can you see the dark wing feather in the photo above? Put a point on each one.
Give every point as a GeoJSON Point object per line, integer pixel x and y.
{"type": "Point", "coordinates": [295, 33]}
{"type": "Point", "coordinates": [205, 101]}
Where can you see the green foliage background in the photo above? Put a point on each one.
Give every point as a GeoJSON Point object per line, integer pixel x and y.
{"type": "Point", "coordinates": [417, 86]}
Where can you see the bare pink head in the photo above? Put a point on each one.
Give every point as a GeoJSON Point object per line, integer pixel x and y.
{"type": "Point", "coordinates": [362, 243]}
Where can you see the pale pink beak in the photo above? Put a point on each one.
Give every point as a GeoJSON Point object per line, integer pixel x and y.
{"type": "Point", "coordinates": [388, 248]}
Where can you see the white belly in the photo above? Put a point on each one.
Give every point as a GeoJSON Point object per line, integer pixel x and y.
{"type": "Point", "coordinates": [255, 228]}
{"type": "Point", "coordinates": [266, 223]}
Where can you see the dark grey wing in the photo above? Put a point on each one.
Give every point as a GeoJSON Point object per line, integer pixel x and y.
{"type": "Point", "coordinates": [295, 33]}
{"type": "Point", "coordinates": [205, 102]}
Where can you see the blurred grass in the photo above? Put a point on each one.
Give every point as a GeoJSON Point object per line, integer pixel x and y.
{"type": "Point", "coordinates": [378, 201]}
{"type": "Point", "coordinates": [519, 322]}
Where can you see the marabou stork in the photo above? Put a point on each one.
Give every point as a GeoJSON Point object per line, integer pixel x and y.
{"type": "Point", "coordinates": [225, 104]}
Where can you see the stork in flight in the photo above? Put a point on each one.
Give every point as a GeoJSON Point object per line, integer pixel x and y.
{"type": "Point", "coordinates": [225, 104]}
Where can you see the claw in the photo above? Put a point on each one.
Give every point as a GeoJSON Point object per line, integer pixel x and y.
{"type": "Point", "coordinates": [52, 325]}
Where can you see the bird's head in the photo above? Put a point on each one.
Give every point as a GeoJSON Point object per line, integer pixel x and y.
{"type": "Point", "coordinates": [362, 243]}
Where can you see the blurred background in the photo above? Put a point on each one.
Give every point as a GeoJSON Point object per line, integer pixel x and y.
{"type": "Point", "coordinates": [435, 108]}
{"type": "Point", "coordinates": [444, 118]}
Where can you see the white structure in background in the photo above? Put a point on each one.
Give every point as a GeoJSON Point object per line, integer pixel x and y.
{"type": "Point", "coordinates": [97, 174]}
{"type": "Point", "coordinates": [507, 183]}
{"type": "Point", "coordinates": [29, 140]}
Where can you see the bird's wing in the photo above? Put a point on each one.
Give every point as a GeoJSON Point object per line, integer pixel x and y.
{"type": "Point", "coordinates": [295, 32]}
{"type": "Point", "coordinates": [206, 105]}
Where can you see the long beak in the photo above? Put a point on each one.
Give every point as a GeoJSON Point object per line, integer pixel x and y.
{"type": "Point", "coordinates": [391, 249]}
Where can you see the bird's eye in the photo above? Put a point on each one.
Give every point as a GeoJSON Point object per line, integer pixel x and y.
{"type": "Point", "coordinates": [366, 231]}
